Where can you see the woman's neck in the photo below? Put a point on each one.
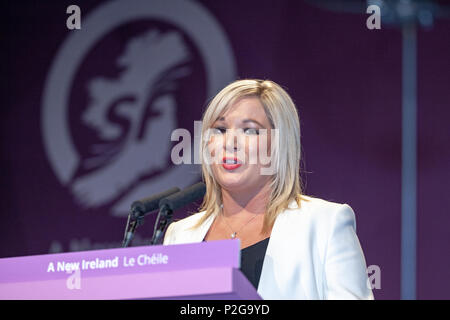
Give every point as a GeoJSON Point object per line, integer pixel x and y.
{"type": "Point", "coordinates": [253, 202]}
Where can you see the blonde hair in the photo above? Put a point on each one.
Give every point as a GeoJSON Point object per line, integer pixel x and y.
{"type": "Point", "coordinates": [282, 114]}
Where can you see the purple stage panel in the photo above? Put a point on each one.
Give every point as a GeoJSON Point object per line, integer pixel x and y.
{"type": "Point", "coordinates": [187, 271]}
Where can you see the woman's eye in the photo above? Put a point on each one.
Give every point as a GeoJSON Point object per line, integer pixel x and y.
{"type": "Point", "coordinates": [218, 130]}
{"type": "Point", "coordinates": [251, 131]}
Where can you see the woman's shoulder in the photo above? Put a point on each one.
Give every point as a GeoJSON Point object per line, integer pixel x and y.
{"type": "Point", "coordinates": [308, 202]}
{"type": "Point", "coordinates": [182, 228]}
{"type": "Point", "coordinates": [189, 221]}
{"type": "Point", "coordinates": [320, 210]}
{"type": "Point", "coordinates": [315, 218]}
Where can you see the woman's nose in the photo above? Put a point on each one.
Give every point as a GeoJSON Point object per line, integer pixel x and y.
{"type": "Point", "coordinates": [233, 139]}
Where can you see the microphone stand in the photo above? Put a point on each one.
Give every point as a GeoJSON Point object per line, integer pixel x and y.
{"type": "Point", "coordinates": [163, 220]}
{"type": "Point", "coordinates": [130, 228]}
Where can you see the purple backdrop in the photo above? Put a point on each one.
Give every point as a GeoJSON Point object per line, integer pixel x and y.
{"type": "Point", "coordinates": [87, 116]}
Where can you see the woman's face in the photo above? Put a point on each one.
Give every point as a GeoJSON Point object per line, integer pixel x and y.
{"type": "Point", "coordinates": [240, 144]}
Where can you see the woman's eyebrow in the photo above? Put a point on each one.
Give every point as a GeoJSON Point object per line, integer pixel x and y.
{"type": "Point", "coordinates": [222, 119]}
{"type": "Point", "coordinates": [251, 120]}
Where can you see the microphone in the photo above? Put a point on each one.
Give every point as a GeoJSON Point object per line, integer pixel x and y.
{"type": "Point", "coordinates": [172, 203]}
{"type": "Point", "coordinates": [139, 209]}
{"type": "Point", "coordinates": [180, 199]}
{"type": "Point", "coordinates": [142, 207]}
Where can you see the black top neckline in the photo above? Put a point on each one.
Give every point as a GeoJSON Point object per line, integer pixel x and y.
{"type": "Point", "coordinates": [252, 260]}
{"type": "Point", "coordinates": [259, 243]}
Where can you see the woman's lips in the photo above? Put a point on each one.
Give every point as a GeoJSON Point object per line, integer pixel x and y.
{"type": "Point", "coordinates": [231, 163]}
{"type": "Point", "coordinates": [231, 166]}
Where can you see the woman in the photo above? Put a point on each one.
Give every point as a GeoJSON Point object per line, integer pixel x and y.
{"type": "Point", "coordinates": [292, 246]}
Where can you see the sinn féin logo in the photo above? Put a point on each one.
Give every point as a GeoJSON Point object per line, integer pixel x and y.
{"type": "Point", "coordinates": [118, 88]}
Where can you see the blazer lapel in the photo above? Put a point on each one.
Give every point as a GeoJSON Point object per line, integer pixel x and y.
{"type": "Point", "coordinates": [197, 235]}
{"type": "Point", "coordinates": [267, 280]}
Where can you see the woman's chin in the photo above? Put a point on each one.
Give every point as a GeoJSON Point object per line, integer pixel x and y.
{"type": "Point", "coordinates": [239, 179]}
{"type": "Point", "coordinates": [231, 183]}
{"type": "Point", "coordinates": [233, 180]}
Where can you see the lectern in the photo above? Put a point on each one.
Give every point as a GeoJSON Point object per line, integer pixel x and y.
{"type": "Point", "coordinates": [207, 270]}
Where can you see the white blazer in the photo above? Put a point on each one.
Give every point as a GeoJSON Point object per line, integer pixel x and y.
{"type": "Point", "coordinates": [313, 252]}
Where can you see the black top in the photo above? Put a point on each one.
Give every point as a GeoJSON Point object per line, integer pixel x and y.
{"type": "Point", "coordinates": [252, 259]}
